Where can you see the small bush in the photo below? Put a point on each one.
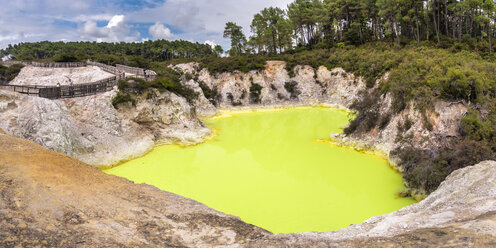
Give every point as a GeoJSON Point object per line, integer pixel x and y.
{"type": "Point", "coordinates": [385, 119]}
{"type": "Point", "coordinates": [210, 94]}
{"type": "Point", "coordinates": [123, 84]}
{"type": "Point", "coordinates": [255, 92]}
{"type": "Point", "coordinates": [368, 113]}
{"type": "Point", "coordinates": [8, 74]}
{"type": "Point", "coordinates": [67, 57]}
{"type": "Point", "coordinates": [122, 98]}
{"type": "Point", "coordinates": [291, 88]}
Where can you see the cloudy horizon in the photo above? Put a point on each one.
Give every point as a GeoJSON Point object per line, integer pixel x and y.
{"type": "Point", "coordinates": [130, 20]}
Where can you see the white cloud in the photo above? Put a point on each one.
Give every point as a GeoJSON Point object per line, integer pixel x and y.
{"type": "Point", "coordinates": [210, 43]}
{"type": "Point", "coordinates": [116, 30]}
{"type": "Point", "coordinates": [159, 31]}
{"type": "Point", "coordinates": [116, 21]}
{"type": "Point", "coordinates": [195, 20]}
{"type": "Point", "coordinates": [204, 19]}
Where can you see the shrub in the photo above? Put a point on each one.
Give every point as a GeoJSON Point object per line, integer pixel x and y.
{"type": "Point", "coordinates": [291, 88]}
{"type": "Point", "coordinates": [244, 63]}
{"type": "Point", "coordinates": [425, 170]}
{"type": "Point", "coordinates": [8, 74]}
{"type": "Point", "coordinates": [122, 98]}
{"type": "Point", "coordinates": [67, 57]}
{"type": "Point", "coordinates": [210, 94]}
{"type": "Point", "coordinates": [385, 119]}
{"type": "Point", "coordinates": [123, 84]}
{"type": "Point", "coordinates": [255, 92]}
{"type": "Point", "coordinates": [368, 113]}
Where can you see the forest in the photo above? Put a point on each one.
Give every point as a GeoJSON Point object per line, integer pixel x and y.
{"type": "Point", "coordinates": [328, 23]}
{"type": "Point", "coordinates": [133, 54]}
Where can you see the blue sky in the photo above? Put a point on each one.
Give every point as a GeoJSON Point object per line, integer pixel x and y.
{"type": "Point", "coordinates": [130, 20]}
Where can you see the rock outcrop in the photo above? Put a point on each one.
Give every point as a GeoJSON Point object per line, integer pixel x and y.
{"type": "Point", "coordinates": [444, 121]}
{"type": "Point", "coordinates": [92, 130]}
{"type": "Point", "coordinates": [307, 87]}
{"type": "Point", "coordinates": [51, 200]}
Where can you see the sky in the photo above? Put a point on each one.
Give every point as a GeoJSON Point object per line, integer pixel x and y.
{"type": "Point", "coordinates": [129, 20]}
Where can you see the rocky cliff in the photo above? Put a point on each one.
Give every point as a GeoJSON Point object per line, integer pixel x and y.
{"type": "Point", "coordinates": [306, 87]}
{"type": "Point", "coordinates": [92, 130]}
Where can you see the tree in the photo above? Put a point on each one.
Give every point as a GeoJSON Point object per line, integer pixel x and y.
{"type": "Point", "coordinates": [272, 31]}
{"type": "Point", "coordinates": [306, 17]}
{"type": "Point", "coordinates": [218, 50]}
{"type": "Point", "coordinates": [389, 10]}
{"type": "Point", "coordinates": [238, 39]}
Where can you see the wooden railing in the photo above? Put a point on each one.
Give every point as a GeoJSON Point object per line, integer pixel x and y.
{"type": "Point", "coordinates": [108, 68]}
{"type": "Point", "coordinates": [46, 65]}
{"type": "Point", "coordinates": [148, 75]}
{"type": "Point", "coordinates": [65, 91]}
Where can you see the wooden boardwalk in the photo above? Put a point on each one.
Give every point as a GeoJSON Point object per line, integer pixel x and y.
{"type": "Point", "coordinates": [65, 91]}
{"type": "Point", "coordinates": [77, 90]}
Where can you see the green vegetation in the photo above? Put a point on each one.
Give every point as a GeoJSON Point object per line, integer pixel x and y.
{"type": "Point", "coordinates": [132, 54]}
{"type": "Point", "coordinates": [167, 80]}
{"type": "Point", "coordinates": [211, 94]}
{"type": "Point", "coordinates": [255, 92]}
{"type": "Point", "coordinates": [291, 88]}
{"type": "Point", "coordinates": [8, 74]}
{"type": "Point", "coordinates": [244, 63]}
{"type": "Point", "coordinates": [238, 39]}
{"type": "Point", "coordinates": [272, 32]}
{"type": "Point", "coordinates": [122, 98]}
{"type": "Point", "coordinates": [331, 23]}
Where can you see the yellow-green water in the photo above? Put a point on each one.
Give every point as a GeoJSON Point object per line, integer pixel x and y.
{"type": "Point", "coordinates": [269, 169]}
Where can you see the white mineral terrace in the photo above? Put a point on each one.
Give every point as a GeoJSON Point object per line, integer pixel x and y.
{"type": "Point", "coordinates": [31, 75]}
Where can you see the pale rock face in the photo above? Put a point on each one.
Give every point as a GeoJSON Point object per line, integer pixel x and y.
{"type": "Point", "coordinates": [203, 106]}
{"type": "Point", "coordinates": [30, 75]}
{"type": "Point", "coordinates": [340, 87]}
{"type": "Point", "coordinates": [90, 129]}
{"type": "Point", "coordinates": [311, 87]}
{"type": "Point", "coordinates": [445, 120]}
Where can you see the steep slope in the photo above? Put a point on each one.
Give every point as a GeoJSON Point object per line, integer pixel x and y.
{"type": "Point", "coordinates": [92, 130]}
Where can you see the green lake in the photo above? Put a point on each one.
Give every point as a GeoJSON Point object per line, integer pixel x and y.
{"type": "Point", "coordinates": [272, 169]}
